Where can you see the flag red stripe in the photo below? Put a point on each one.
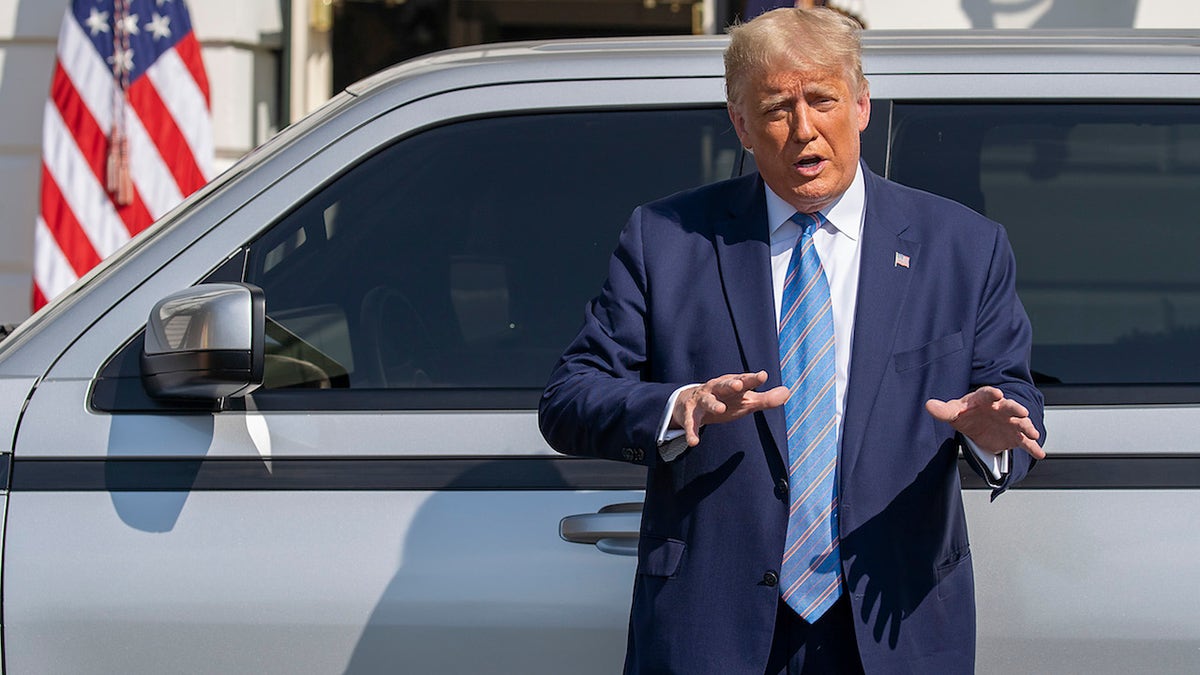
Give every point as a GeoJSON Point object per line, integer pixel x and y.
{"type": "Point", "coordinates": [165, 134]}
{"type": "Point", "coordinates": [135, 214]}
{"type": "Point", "coordinates": [39, 298]}
{"type": "Point", "coordinates": [65, 228]}
{"type": "Point", "coordinates": [91, 140]}
{"type": "Point", "coordinates": [189, 51]}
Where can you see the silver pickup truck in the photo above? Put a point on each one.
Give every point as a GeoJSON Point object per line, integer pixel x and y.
{"type": "Point", "coordinates": [400, 272]}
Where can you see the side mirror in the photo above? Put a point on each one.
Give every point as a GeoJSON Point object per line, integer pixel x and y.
{"type": "Point", "coordinates": [206, 342]}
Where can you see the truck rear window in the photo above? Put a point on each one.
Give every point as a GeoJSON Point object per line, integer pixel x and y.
{"type": "Point", "coordinates": [1099, 201]}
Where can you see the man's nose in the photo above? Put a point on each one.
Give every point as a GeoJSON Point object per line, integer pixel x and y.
{"type": "Point", "coordinates": [803, 129]}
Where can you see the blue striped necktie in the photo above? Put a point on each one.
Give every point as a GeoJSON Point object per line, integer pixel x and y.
{"type": "Point", "coordinates": [811, 571]}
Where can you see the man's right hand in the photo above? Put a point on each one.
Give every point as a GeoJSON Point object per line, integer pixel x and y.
{"type": "Point", "coordinates": [722, 399]}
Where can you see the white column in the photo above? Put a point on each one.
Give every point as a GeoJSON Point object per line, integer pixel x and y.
{"type": "Point", "coordinates": [311, 67]}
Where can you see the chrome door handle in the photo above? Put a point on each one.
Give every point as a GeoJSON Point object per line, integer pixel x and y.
{"type": "Point", "coordinates": [613, 529]}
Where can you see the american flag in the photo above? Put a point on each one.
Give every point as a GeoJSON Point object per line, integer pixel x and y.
{"type": "Point", "coordinates": [127, 133]}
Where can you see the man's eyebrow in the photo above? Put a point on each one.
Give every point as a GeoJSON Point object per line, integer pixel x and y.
{"type": "Point", "coordinates": [820, 89]}
{"type": "Point", "coordinates": [769, 101]}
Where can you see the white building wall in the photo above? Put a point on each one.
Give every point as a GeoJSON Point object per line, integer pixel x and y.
{"type": "Point", "coordinates": [28, 32]}
{"type": "Point", "coordinates": [242, 49]}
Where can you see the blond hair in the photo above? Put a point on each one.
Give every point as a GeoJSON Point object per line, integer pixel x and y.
{"type": "Point", "coordinates": [818, 38]}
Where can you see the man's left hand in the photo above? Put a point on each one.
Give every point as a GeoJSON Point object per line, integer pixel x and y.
{"type": "Point", "coordinates": [992, 422]}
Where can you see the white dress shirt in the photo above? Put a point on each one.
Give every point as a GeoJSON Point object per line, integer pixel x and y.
{"type": "Point", "coordinates": [838, 246]}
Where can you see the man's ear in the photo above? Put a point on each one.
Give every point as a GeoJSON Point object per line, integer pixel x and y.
{"type": "Point", "coordinates": [863, 104]}
{"type": "Point", "coordinates": [739, 124]}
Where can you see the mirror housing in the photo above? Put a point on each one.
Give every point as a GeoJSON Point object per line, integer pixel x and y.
{"type": "Point", "coordinates": [205, 342]}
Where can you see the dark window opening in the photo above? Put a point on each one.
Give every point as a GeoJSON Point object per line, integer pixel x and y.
{"type": "Point", "coordinates": [369, 35]}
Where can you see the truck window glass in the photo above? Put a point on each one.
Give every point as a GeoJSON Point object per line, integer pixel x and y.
{"type": "Point", "coordinates": [1099, 202]}
{"type": "Point", "coordinates": [461, 257]}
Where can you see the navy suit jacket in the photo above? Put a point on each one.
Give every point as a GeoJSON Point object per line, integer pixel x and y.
{"type": "Point", "coordinates": [689, 298]}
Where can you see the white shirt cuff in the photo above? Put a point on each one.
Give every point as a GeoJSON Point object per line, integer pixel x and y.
{"type": "Point", "coordinates": [671, 442]}
{"type": "Point", "coordinates": [996, 464]}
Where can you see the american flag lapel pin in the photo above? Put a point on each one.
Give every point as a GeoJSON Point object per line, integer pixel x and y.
{"type": "Point", "coordinates": [901, 260]}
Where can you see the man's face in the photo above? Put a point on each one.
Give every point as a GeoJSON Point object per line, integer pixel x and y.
{"type": "Point", "coordinates": [803, 128]}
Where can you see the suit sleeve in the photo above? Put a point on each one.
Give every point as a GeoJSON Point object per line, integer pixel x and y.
{"type": "Point", "coordinates": [598, 401]}
{"type": "Point", "coordinates": [1003, 342]}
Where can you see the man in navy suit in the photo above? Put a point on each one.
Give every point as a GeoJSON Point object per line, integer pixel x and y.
{"type": "Point", "coordinates": [678, 367]}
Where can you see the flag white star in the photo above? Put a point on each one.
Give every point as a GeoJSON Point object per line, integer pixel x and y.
{"type": "Point", "coordinates": [130, 25]}
{"type": "Point", "coordinates": [122, 61]}
{"type": "Point", "coordinates": [160, 2]}
{"type": "Point", "coordinates": [97, 21]}
{"type": "Point", "coordinates": [160, 26]}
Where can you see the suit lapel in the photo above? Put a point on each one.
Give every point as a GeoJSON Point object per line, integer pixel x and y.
{"type": "Point", "coordinates": [744, 262]}
{"type": "Point", "coordinates": [883, 284]}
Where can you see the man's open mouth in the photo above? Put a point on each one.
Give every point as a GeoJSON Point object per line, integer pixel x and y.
{"type": "Point", "coordinates": [806, 162]}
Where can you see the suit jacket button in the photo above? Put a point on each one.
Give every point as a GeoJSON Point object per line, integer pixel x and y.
{"type": "Point", "coordinates": [770, 578]}
{"type": "Point", "coordinates": [781, 488]}
{"type": "Point", "coordinates": [628, 454]}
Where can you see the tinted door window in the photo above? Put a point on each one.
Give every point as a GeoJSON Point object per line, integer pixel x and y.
{"type": "Point", "coordinates": [461, 258]}
{"type": "Point", "coordinates": [1100, 202]}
